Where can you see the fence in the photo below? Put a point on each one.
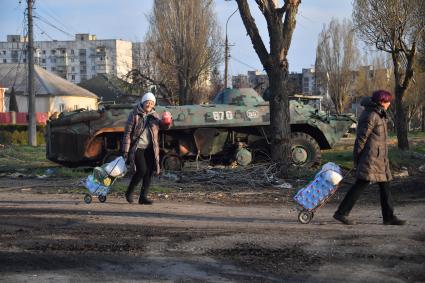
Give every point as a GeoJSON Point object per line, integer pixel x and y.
{"type": "Point", "coordinates": [21, 118]}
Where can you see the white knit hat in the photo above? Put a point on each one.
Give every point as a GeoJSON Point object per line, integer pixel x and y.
{"type": "Point", "coordinates": [148, 96]}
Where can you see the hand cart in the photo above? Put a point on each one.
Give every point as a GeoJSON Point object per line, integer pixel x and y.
{"type": "Point", "coordinates": [316, 194]}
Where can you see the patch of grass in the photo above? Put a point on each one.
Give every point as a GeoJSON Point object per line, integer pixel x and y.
{"type": "Point", "coordinates": [15, 157]}
{"type": "Point", "coordinates": [32, 160]}
{"type": "Point", "coordinates": [343, 156]}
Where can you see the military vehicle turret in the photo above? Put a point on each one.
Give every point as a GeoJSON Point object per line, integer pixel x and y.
{"type": "Point", "coordinates": [234, 127]}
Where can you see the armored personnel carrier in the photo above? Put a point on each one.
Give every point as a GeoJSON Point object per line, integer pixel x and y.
{"type": "Point", "coordinates": [234, 127]}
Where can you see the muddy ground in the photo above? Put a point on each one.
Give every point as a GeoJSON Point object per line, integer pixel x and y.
{"type": "Point", "coordinates": [48, 234]}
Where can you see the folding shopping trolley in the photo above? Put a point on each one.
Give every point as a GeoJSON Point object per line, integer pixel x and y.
{"type": "Point", "coordinates": [102, 178]}
{"type": "Point", "coordinates": [319, 191]}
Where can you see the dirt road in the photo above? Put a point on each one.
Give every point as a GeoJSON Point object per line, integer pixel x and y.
{"type": "Point", "coordinates": [51, 237]}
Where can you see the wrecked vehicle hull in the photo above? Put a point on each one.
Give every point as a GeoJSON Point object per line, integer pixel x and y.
{"type": "Point", "coordinates": [221, 132]}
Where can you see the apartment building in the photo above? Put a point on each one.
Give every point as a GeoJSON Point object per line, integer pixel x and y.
{"type": "Point", "coordinates": [308, 81]}
{"type": "Point", "coordinates": [75, 60]}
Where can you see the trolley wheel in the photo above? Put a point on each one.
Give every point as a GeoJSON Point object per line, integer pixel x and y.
{"type": "Point", "coordinates": [102, 198]}
{"type": "Point", "coordinates": [305, 216]}
{"type": "Point", "coordinates": [87, 198]}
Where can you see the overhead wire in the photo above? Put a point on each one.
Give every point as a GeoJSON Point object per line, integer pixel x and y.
{"type": "Point", "coordinates": [243, 63]}
{"type": "Point", "coordinates": [38, 16]}
{"type": "Point", "coordinates": [45, 9]}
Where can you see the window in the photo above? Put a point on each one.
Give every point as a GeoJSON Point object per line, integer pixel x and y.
{"type": "Point", "coordinates": [61, 107]}
{"type": "Point", "coordinates": [44, 52]}
{"type": "Point", "coordinates": [73, 77]}
{"type": "Point", "coordinates": [24, 60]}
{"type": "Point", "coordinates": [43, 60]}
{"type": "Point", "coordinates": [53, 69]}
{"type": "Point", "coordinates": [72, 51]}
{"type": "Point", "coordinates": [4, 52]}
{"type": "Point", "coordinates": [93, 68]}
{"type": "Point", "coordinates": [63, 51]}
{"type": "Point", "coordinates": [72, 69]}
{"type": "Point", "coordinates": [4, 61]}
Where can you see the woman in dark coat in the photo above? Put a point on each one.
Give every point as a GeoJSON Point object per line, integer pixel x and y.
{"type": "Point", "coordinates": [371, 158]}
{"type": "Point", "coordinates": [140, 145]}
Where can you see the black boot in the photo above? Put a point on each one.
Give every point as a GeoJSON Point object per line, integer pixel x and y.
{"type": "Point", "coordinates": [394, 221]}
{"type": "Point", "coordinates": [143, 199]}
{"type": "Point", "coordinates": [129, 195]}
{"type": "Point", "coordinates": [344, 219]}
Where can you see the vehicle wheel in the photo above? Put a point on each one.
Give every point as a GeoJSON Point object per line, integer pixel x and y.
{"type": "Point", "coordinates": [110, 156]}
{"type": "Point", "coordinates": [243, 157]}
{"type": "Point", "coordinates": [305, 151]}
{"type": "Point", "coordinates": [87, 198]}
{"type": "Point", "coordinates": [172, 162]}
{"type": "Point", "coordinates": [102, 198]}
{"type": "Point", "coordinates": [305, 216]}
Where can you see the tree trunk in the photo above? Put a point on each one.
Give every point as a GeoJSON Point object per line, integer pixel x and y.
{"type": "Point", "coordinates": [423, 119]}
{"type": "Point", "coordinates": [182, 90]}
{"type": "Point", "coordinates": [279, 119]}
{"type": "Point", "coordinates": [400, 119]}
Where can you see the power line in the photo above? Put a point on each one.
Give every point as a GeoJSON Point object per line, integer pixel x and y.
{"type": "Point", "coordinates": [37, 16]}
{"type": "Point", "coordinates": [43, 32]}
{"type": "Point", "coordinates": [243, 63]}
{"type": "Point", "coordinates": [45, 9]}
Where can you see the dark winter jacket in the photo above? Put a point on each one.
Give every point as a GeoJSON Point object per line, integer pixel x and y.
{"type": "Point", "coordinates": [133, 129]}
{"type": "Point", "coordinates": [370, 148]}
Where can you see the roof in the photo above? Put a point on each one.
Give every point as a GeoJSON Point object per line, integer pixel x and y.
{"type": "Point", "coordinates": [112, 89]}
{"type": "Point", "coordinates": [106, 88]}
{"type": "Point", "coordinates": [46, 83]}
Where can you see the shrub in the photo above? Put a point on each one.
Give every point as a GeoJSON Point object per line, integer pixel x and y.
{"type": "Point", "coordinates": [5, 137]}
{"type": "Point", "coordinates": [18, 134]}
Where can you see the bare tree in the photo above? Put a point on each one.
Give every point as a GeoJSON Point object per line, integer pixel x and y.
{"type": "Point", "coordinates": [337, 60]}
{"type": "Point", "coordinates": [393, 26]}
{"type": "Point", "coordinates": [415, 101]}
{"type": "Point", "coordinates": [373, 73]}
{"type": "Point", "coordinates": [186, 42]}
{"type": "Point", "coordinates": [281, 22]}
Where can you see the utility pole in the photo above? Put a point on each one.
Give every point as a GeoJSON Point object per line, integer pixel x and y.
{"type": "Point", "coordinates": [32, 128]}
{"type": "Point", "coordinates": [226, 61]}
{"type": "Point", "coordinates": [226, 53]}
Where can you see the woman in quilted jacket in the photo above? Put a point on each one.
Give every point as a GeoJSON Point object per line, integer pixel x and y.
{"type": "Point", "coordinates": [140, 145]}
{"type": "Point", "coordinates": [371, 158]}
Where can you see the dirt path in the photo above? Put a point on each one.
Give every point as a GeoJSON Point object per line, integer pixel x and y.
{"type": "Point", "coordinates": [58, 238]}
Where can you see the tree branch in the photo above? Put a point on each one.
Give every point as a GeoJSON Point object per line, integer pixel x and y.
{"type": "Point", "coordinates": [254, 34]}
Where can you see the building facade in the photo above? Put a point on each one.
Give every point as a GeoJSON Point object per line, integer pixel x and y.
{"type": "Point", "coordinates": [52, 93]}
{"type": "Point", "coordinates": [2, 98]}
{"type": "Point", "coordinates": [260, 81]}
{"type": "Point", "coordinates": [76, 60]}
{"type": "Point", "coordinates": [309, 81]}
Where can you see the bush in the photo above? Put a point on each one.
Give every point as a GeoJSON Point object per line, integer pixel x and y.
{"type": "Point", "coordinates": [18, 135]}
{"type": "Point", "coordinates": [5, 137]}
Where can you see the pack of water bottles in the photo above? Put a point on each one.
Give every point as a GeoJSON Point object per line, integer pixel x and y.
{"type": "Point", "coordinates": [321, 188]}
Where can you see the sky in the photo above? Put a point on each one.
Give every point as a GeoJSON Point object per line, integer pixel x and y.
{"type": "Point", "coordinates": [127, 19]}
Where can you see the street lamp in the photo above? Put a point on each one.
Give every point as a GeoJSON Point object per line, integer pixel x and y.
{"type": "Point", "coordinates": [226, 52]}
